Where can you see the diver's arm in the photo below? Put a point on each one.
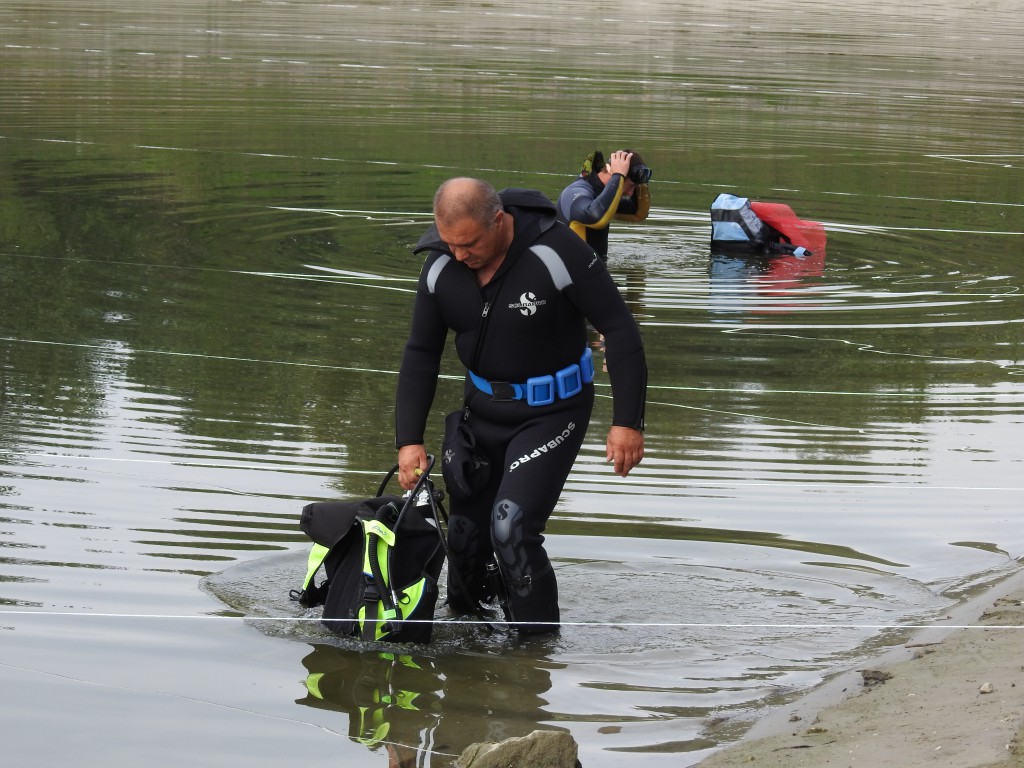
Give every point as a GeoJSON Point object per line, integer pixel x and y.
{"type": "Point", "coordinates": [639, 204]}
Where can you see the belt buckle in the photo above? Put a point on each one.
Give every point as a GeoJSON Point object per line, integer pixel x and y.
{"type": "Point", "coordinates": [587, 365]}
{"type": "Point", "coordinates": [540, 390]}
{"type": "Point", "coordinates": [503, 391]}
{"type": "Point", "coordinates": [569, 381]}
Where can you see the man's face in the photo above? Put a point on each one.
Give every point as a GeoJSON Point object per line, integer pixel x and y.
{"type": "Point", "coordinates": [473, 243]}
{"type": "Point", "coordinates": [628, 187]}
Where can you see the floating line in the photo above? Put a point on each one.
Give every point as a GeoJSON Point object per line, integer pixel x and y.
{"type": "Point", "coordinates": [499, 622]}
{"type": "Point", "coordinates": [648, 482]}
{"type": "Point", "coordinates": [459, 377]}
{"type": "Point", "coordinates": [966, 158]}
{"type": "Point", "coordinates": [171, 353]}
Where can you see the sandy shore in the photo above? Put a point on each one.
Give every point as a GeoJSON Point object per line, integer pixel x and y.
{"type": "Point", "coordinates": [952, 697]}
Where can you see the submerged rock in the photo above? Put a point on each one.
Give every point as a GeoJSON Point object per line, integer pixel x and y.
{"type": "Point", "coordinates": [540, 749]}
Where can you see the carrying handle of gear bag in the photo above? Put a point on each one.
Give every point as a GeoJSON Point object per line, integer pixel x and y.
{"type": "Point", "coordinates": [422, 478]}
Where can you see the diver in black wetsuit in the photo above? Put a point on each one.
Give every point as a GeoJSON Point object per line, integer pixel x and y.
{"type": "Point", "coordinates": [507, 252]}
{"type": "Point", "coordinates": [618, 189]}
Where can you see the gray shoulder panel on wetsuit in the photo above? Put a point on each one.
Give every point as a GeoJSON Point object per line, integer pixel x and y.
{"type": "Point", "coordinates": [435, 271]}
{"type": "Point", "coordinates": [556, 267]}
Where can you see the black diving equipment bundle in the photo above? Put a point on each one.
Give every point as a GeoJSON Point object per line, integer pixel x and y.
{"type": "Point", "coordinates": [382, 557]}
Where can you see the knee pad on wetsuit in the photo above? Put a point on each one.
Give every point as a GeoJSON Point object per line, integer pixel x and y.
{"type": "Point", "coordinates": [530, 586]}
{"type": "Point", "coordinates": [507, 537]}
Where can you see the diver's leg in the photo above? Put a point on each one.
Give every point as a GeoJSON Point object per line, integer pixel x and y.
{"type": "Point", "coordinates": [470, 548]}
{"type": "Point", "coordinates": [539, 459]}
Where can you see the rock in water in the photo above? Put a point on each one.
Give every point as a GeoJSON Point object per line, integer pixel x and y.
{"type": "Point", "coordinates": [540, 749]}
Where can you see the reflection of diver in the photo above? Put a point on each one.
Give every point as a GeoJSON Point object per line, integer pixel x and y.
{"type": "Point", "coordinates": [426, 710]}
{"type": "Point", "coordinates": [632, 282]}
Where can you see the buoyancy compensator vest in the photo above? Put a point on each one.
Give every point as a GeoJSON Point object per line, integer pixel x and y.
{"type": "Point", "coordinates": [382, 558]}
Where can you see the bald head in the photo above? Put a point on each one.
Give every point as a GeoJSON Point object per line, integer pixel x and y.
{"type": "Point", "coordinates": [473, 224]}
{"type": "Point", "coordinates": [464, 198]}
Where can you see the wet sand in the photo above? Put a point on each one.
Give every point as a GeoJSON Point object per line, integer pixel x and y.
{"type": "Point", "coordinates": [953, 696]}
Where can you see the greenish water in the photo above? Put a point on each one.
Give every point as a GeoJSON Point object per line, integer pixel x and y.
{"type": "Point", "coordinates": [206, 215]}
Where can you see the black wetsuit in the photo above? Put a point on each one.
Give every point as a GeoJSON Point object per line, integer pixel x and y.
{"type": "Point", "coordinates": [549, 284]}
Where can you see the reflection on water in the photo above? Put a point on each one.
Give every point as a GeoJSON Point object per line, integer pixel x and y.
{"type": "Point", "coordinates": [206, 213]}
{"type": "Point", "coordinates": [393, 701]}
{"type": "Point", "coordinates": [647, 660]}
{"type": "Point", "coordinates": [758, 284]}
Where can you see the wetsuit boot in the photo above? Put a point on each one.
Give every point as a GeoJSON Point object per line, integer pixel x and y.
{"type": "Point", "coordinates": [533, 603]}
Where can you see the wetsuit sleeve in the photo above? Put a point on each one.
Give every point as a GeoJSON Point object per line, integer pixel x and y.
{"type": "Point", "coordinates": [596, 212]}
{"type": "Point", "coordinates": [421, 364]}
{"type": "Point", "coordinates": [597, 296]}
{"type": "Point", "coordinates": [636, 206]}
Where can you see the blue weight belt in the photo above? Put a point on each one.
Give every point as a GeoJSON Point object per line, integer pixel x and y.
{"type": "Point", "coordinates": [542, 390]}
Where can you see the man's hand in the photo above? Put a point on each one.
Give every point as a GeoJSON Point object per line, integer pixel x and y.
{"type": "Point", "coordinates": [410, 459]}
{"type": "Point", "coordinates": [625, 446]}
{"type": "Point", "coordinates": [619, 162]}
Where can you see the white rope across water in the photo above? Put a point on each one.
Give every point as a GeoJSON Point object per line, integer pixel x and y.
{"type": "Point", "coordinates": [654, 481]}
{"type": "Point", "coordinates": [127, 352]}
{"type": "Point", "coordinates": [601, 386]}
{"type": "Point", "coordinates": [502, 622]}
{"type": "Point", "coordinates": [1005, 160]}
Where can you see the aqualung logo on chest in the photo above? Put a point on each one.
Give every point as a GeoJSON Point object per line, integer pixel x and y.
{"type": "Point", "coordinates": [528, 304]}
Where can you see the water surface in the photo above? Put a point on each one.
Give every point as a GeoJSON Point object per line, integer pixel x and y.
{"type": "Point", "coordinates": [206, 215]}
